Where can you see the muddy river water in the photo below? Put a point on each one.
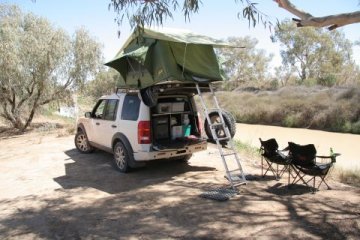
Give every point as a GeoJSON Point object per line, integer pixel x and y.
{"type": "Point", "coordinates": [346, 144]}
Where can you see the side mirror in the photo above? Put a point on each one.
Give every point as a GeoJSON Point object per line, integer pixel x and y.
{"type": "Point", "coordinates": [88, 114]}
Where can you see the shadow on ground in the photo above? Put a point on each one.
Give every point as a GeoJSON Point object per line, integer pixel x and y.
{"type": "Point", "coordinates": [95, 170]}
{"type": "Point", "coordinates": [162, 201]}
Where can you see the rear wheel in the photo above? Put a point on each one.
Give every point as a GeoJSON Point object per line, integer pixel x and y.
{"type": "Point", "coordinates": [121, 157]}
{"type": "Point", "coordinates": [220, 131]}
{"type": "Point", "coordinates": [82, 143]}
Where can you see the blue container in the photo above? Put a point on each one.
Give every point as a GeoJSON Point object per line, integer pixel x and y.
{"type": "Point", "coordinates": [186, 130]}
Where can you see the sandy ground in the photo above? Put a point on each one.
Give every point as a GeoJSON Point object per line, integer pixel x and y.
{"type": "Point", "coordinates": [50, 191]}
{"type": "Point", "coordinates": [346, 144]}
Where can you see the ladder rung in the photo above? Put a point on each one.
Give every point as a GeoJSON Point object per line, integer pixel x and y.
{"type": "Point", "coordinates": [238, 169]}
{"type": "Point", "coordinates": [236, 179]}
{"type": "Point", "coordinates": [240, 183]}
{"type": "Point", "coordinates": [217, 124]}
{"type": "Point", "coordinates": [224, 138]}
{"type": "Point", "coordinates": [228, 154]}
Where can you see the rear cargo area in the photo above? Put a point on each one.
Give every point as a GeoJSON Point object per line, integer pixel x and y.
{"type": "Point", "coordinates": [174, 123]}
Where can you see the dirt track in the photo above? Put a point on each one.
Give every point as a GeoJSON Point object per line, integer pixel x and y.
{"type": "Point", "coordinates": [50, 191]}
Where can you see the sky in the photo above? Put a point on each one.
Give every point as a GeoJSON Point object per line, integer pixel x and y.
{"type": "Point", "coordinates": [216, 18]}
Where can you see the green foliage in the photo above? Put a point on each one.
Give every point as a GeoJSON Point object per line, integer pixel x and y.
{"type": "Point", "coordinates": [315, 54]}
{"type": "Point", "coordinates": [149, 12]}
{"type": "Point", "coordinates": [247, 64]}
{"type": "Point", "coordinates": [105, 83]}
{"type": "Point", "coordinates": [40, 64]}
{"type": "Point", "coordinates": [246, 148]}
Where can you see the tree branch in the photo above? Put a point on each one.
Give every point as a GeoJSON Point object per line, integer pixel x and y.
{"type": "Point", "coordinates": [331, 21]}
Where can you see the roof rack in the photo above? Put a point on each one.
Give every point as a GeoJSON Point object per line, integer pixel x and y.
{"type": "Point", "coordinates": [168, 85]}
{"type": "Point", "coordinates": [125, 90]}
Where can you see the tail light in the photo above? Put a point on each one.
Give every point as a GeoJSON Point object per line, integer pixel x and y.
{"type": "Point", "coordinates": [199, 124]}
{"type": "Point", "coordinates": [144, 133]}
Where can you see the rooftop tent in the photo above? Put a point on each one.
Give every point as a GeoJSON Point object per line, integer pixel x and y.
{"type": "Point", "coordinates": [149, 57]}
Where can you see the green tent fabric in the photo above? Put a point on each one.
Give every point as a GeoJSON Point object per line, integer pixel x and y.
{"type": "Point", "coordinates": [149, 57]}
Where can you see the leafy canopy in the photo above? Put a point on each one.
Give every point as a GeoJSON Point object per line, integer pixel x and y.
{"type": "Point", "coordinates": [40, 63]}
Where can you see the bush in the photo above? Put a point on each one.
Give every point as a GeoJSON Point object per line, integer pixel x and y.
{"type": "Point", "coordinates": [331, 109]}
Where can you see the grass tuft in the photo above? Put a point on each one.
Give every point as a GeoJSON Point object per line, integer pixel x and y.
{"type": "Point", "coordinates": [351, 177]}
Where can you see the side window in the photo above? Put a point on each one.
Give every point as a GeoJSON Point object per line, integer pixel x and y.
{"type": "Point", "coordinates": [111, 109]}
{"type": "Point", "coordinates": [99, 109]}
{"type": "Point", "coordinates": [130, 110]}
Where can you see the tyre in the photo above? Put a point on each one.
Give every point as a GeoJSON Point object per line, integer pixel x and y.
{"type": "Point", "coordinates": [82, 143]}
{"type": "Point", "coordinates": [215, 118]}
{"type": "Point", "coordinates": [121, 157]}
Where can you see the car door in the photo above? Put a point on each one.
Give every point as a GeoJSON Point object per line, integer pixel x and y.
{"type": "Point", "coordinates": [108, 124]}
{"type": "Point", "coordinates": [96, 120]}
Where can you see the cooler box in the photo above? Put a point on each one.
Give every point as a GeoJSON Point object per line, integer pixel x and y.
{"type": "Point", "coordinates": [177, 106]}
{"type": "Point", "coordinates": [164, 107]}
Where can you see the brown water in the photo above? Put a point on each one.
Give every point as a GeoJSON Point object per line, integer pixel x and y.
{"type": "Point", "coordinates": [346, 144]}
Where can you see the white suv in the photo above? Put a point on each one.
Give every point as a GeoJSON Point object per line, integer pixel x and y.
{"type": "Point", "coordinates": [125, 125]}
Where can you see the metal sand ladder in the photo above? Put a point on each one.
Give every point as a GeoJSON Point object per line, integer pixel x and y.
{"type": "Point", "coordinates": [235, 176]}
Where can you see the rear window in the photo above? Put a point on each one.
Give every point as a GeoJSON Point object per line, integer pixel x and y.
{"type": "Point", "coordinates": [130, 110]}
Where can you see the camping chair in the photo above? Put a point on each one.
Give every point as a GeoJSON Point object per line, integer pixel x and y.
{"type": "Point", "coordinates": [303, 162]}
{"type": "Point", "coordinates": [273, 156]}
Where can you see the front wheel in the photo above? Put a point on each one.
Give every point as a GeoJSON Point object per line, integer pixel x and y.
{"type": "Point", "coordinates": [82, 143]}
{"type": "Point", "coordinates": [121, 157]}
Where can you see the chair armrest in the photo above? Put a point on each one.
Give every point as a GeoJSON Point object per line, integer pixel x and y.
{"type": "Point", "coordinates": [333, 157]}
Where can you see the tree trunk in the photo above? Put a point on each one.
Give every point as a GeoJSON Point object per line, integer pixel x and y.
{"type": "Point", "coordinates": [29, 120]}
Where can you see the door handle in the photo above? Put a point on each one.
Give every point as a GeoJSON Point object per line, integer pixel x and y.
{"type": "Point", "coordinates": [113, 126]}
{"type": "Point", "coordinates": [97, 123]}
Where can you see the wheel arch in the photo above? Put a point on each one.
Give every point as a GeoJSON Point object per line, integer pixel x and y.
{"type": "Point", "coordinates": [120, 137]}
{"type": "Point", "coordinates": [80, 127]}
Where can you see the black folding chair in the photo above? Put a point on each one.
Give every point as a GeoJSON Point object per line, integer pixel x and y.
{"type": "Point", "coordinates": [273, 156]}
{"type": "Point", "coordinates": [303, 162]}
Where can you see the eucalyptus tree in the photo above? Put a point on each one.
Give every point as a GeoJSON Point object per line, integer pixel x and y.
{"type": "Point", "coordinates": [314, 53]}
{"type": "Point", "coordinates": [150, 12]}
{"type": "Point", "coordinates": [247, 64]}
{"type": "Point", "coordinates": [40, 63]}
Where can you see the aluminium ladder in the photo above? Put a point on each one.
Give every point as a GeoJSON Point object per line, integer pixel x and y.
{"type": "Point", "coordinates": [235, 176]}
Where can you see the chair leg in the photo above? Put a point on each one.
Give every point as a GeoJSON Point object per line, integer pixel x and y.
{"type": "Point", "coordinates": [301, 177]}
{"type": "Point", "coordinates": [283, 170]}
{"type": "Point", "coordinates": [323, 181]}
{"type": "Point", "coordinates": [269, 168]}
{"type": "Point", "coordinates": [297, 173]}
{"type": "Point", "coordinates": [314, 189]}
{"type": "Point", "coordinates": [289, 168]}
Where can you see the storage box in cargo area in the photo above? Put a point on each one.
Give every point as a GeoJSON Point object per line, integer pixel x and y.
{"type": "Point", "coordinates": [176, 132]}
{"type": "Point", "coordinates": [164, 107]}
{"type": "Point", "coordinates": [161, 128]}
{"type": "Point", "coordinates": [177, 106]}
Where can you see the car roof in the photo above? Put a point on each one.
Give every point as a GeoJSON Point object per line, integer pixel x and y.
{"type": "Point", "coordinates": [112, 96]}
